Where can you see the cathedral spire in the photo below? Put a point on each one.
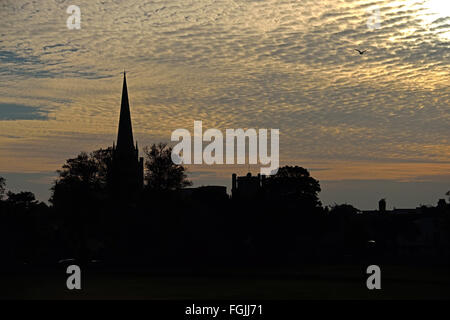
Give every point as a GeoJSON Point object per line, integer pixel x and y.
{"type": "Point", "coordinates": [125, 134]}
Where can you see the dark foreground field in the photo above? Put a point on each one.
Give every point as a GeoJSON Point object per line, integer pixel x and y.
{"type": "Point", "coordinates": [312, 282]}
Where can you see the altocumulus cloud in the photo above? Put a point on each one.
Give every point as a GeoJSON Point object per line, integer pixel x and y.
{"type": "Point", "coordinates": [285, 64]}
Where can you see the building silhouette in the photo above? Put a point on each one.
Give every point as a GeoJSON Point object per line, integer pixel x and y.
{"type": "Point", "coordinates": [205, 193]}
{"type": "Point", "coordinates": [248, 186]}
{"type": "Point", "coordinates": [127, 167]}
{"type": "Point", "coordinates": [382, 205]}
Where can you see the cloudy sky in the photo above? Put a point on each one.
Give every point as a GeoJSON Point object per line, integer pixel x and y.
{"type": "Point", "coordinates": [367, 126]}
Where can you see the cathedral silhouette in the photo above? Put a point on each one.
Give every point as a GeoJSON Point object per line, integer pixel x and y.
{"type": "Point", "coordinates": [127, 166]}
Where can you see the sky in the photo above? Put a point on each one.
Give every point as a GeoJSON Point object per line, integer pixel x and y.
{"type": "Point", "coordinates": [367, 126]}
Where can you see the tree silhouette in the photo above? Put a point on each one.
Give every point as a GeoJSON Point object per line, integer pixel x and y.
{"type": "Point", "coordinates": [295, 183]}
{"type": "Point", "coordinates": [351, 236]}
{"type": "Point", "coordinates": [84, 178]}
{"type": "Point", "coordinates": [23, 199]}
{"type": "Point", "coordinates": [344, 210]}
{"type": "Point", "coordinates": [80, 195]}
{"type": "Point", "coordinates": [161, 173]}
{"type": "Point", "coordinates": [2, 187]}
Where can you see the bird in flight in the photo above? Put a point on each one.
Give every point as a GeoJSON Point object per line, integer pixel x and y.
{"type": "Point", "coordinates": [361, 52]}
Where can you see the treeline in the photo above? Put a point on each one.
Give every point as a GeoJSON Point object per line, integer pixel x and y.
{"type": "Point", "coordinates": [284, 224]}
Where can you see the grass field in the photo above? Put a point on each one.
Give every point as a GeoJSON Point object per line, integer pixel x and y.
{"type": "Point", "coordinates": [312, 282]}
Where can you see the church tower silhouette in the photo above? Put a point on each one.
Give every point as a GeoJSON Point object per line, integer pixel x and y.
{"type": "Point", "coordinates": [127, 167]}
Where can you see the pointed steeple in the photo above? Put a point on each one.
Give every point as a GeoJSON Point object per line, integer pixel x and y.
{"type": "Point", "coordinates": [125, 134]}
{"type": "Point", "coordinates": [127, 170]}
